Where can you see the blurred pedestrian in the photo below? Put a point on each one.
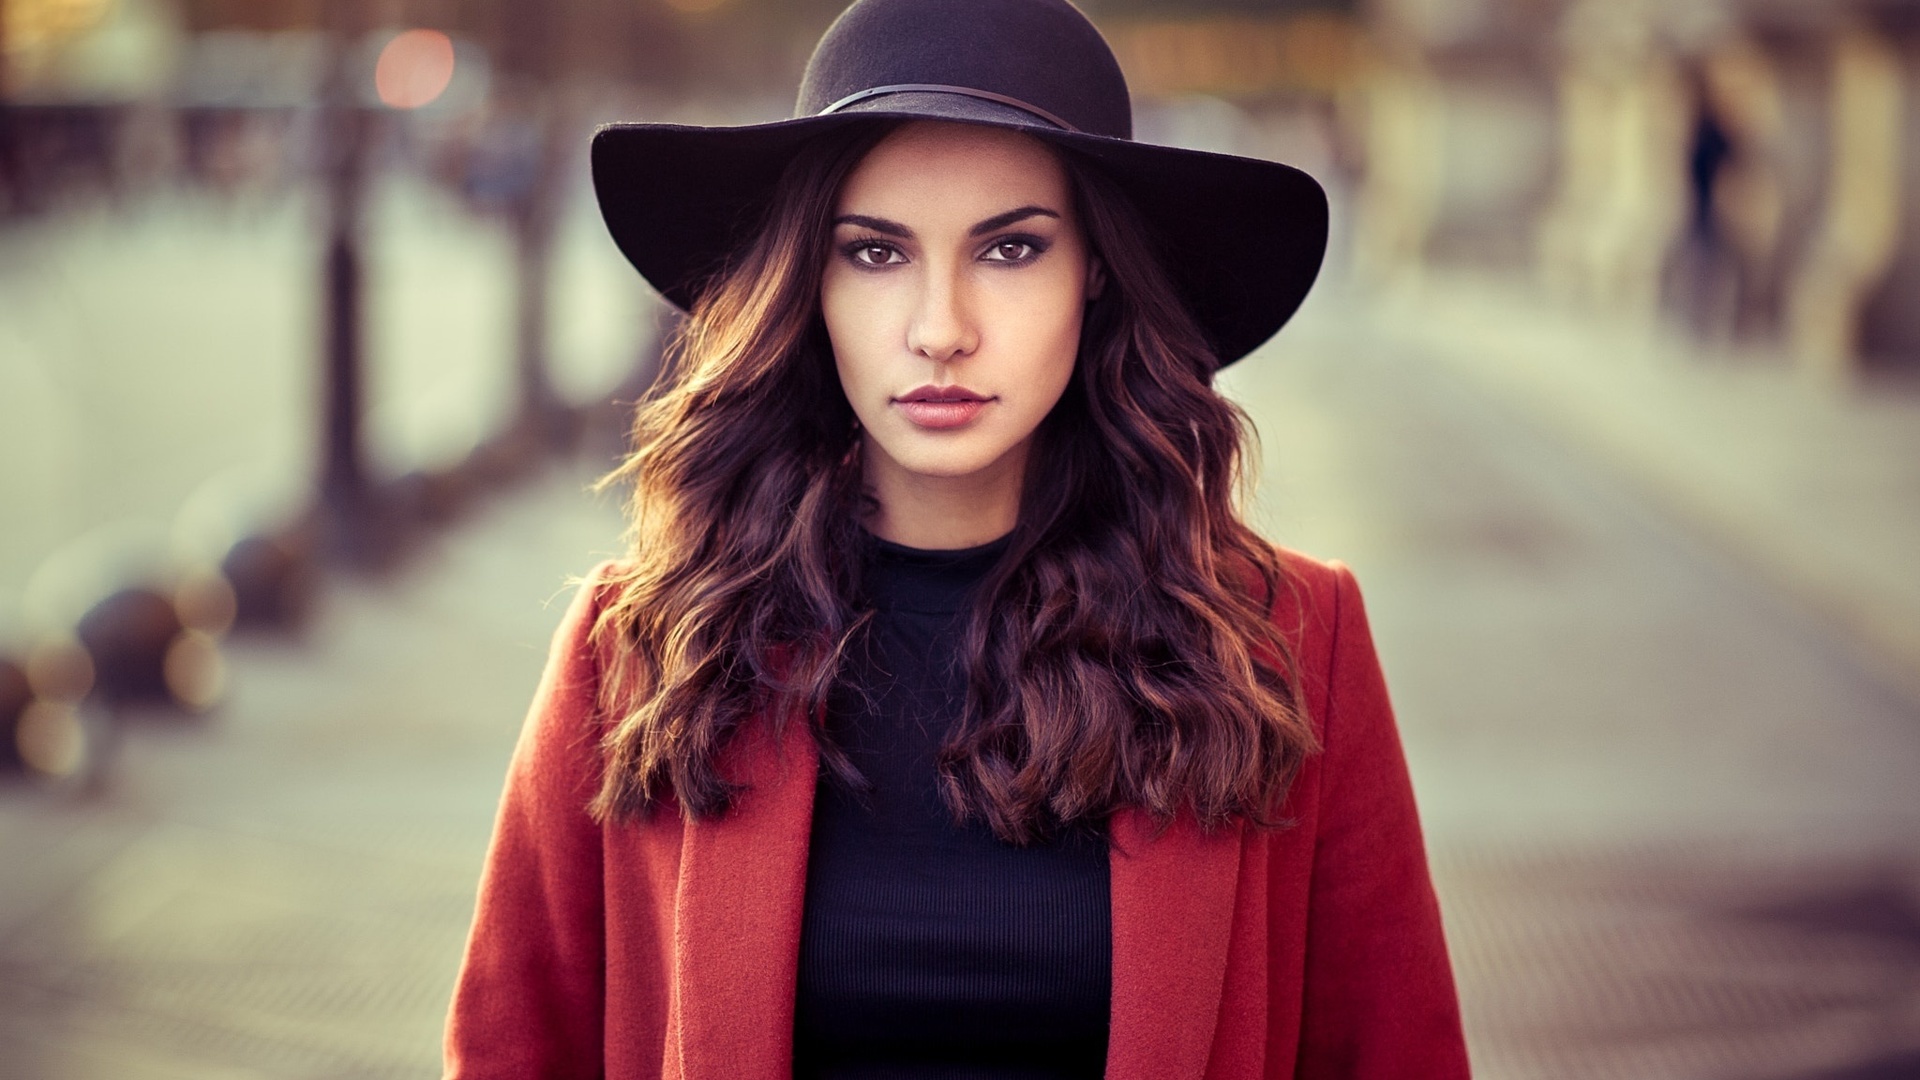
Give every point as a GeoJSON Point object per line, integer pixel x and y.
{"type": "Point", "coordinates": [946, 719]}
{"type": "Point", "coordinates": [1706, 266]}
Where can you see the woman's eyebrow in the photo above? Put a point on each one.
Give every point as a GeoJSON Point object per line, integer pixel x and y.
{"type": "Point", "coordinates": [1001, 221]}
{"type": "Point", "coordinates": [879, 225]}
{"type": "Point", "coordinates": [894, 228]}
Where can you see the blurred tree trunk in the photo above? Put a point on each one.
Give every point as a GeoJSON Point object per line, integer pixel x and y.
{"type": "Point", "coordinates": [1858, 235]}
{"type": "Point", "coordinates": [10, 179]}
{"type": "Point", "coordinates": [344, 492]}
{"type": "Point", "coordinates": [1889, 319]}
{"type": "Point", "coordinates": [533, 32]}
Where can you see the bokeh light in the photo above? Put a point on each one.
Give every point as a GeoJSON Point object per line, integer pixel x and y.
{"type": "Point", "coordinates": [205, 601]}
{"type": "Point", "coordinates": [414, 69]}
{"type": "Point", "coordinates": [59, 669]}
{"type": "Point", "coordinates": [195, 672]}
{"type": "Point", "coordinates": [29, 24]}
{"type": "Point", "coordinates": [50, 738]}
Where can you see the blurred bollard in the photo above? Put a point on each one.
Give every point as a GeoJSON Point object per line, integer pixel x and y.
{"type": "Point", "coordinates": [15, 696]}
{"type": "Point", "coordinates": [243, 555]}
{"type": "Point", "coordinates": [143, 653]}
{"type": "Point", "coordinates": [120, 620]}
{"type": "Point", "coordinates": [129, 637]}
{"type": "Point", "coordinates": [273, 581]}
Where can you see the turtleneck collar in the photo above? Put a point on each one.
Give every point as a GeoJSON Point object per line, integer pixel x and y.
{"type": "Point", "coordinates": [934, 582]}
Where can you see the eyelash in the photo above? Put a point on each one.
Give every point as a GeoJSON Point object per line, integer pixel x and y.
{"type": "Point", "coordinates": [852, 249]}
{"type": "Point", "coordinates": [1037, 246]}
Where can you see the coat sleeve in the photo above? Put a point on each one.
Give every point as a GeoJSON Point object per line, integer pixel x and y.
{"type": "Point", "coordinates": [1379, 1002]}
{"type": "Point", "coordinates": [529, 998]}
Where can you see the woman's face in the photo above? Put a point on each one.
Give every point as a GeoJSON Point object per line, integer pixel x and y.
{"type": "Point", "coordinates": [953, 295]}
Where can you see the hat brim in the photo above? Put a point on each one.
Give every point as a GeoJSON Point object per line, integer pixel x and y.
{"type": "Point", "coordinates": [1242, 238]}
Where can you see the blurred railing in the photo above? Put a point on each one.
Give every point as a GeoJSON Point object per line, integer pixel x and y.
{"type": "Point", "coordinates": [309, 300]}
{"type": "Point", "coordinates": [282, 287]}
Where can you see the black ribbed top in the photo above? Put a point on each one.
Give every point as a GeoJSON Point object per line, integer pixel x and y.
{"type": "Point", "coordinates": [930, 948]}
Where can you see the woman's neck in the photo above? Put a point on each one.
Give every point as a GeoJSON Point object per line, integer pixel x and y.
{"type": "Point", "coordinates": [940, 513]}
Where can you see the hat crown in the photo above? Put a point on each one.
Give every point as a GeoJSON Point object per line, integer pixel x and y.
{"type": "Point", "coordinates": [1041, 52]}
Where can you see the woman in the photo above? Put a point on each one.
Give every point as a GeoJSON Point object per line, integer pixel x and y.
{"type": "Point", "coordinates": [946, 720]}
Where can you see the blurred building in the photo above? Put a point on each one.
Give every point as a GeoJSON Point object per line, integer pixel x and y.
{"type": "Point", "coordinates": [1746, 166]}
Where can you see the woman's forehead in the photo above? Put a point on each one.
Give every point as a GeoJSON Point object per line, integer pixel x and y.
{"type": "Point", "coordinates": [933, 165]}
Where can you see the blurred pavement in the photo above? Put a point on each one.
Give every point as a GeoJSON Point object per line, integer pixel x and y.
{"type": "Point", "coordinates": [282, 889]}
{"type": "Point", "coordinates": [1812, 485]}
{"type": "Point", "coordinates": [1672, 811]}
{"type": "Point", "coordinates": [160, 358]}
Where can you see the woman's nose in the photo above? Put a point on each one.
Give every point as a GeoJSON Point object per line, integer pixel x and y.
{"type": "Point", "coordinates": [942, 327]}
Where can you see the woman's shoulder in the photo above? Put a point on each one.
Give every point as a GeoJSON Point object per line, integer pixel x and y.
{"type": "Point", "coordinates": [609, 571]}
{"type": "Point", "coordinates": [1321, 577]}
{"type": "Point", "coordinates": [1320, 612]}
{"type": "Point", "coordinates": [588, 596]}
{"type": "Point", "coordinates": [1309, 591]}
{"type": "Point", "coordinates": [596, 589]}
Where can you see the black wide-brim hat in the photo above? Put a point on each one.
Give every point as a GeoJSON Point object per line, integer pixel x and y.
{"type": "Point", "coordinates": [1242, 238]}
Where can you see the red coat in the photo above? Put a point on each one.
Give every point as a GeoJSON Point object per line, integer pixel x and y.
{"type": "Point", "coordinates": [669, 948]}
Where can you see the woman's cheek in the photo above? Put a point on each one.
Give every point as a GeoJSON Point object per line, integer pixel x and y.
{"type": "Point", "coordinates": [855, 333]}
{"type": "Point", "coordinates": [1056, 334]}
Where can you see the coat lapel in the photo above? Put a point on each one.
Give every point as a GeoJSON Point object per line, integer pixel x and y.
{"type": "Point", "coordinates": [737, 938]}
{"type": "Point", "coordinates": [1173, 900]}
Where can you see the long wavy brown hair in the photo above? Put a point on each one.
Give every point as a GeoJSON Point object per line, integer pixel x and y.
{"type": "Point", "coordinates": [1120, 654]}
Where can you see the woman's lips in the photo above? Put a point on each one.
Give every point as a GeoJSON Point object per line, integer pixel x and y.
{"type": "Point", "coordinates": [941, 407]}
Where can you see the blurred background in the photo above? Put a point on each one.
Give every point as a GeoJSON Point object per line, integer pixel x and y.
{"type": "Point", "coordinates": [311, 340]}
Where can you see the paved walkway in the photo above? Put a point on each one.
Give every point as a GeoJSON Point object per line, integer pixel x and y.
{"type": "Point", "coordinates": [282, 890]}
{"type": "Point", "coordinates": [1673, 809]}
{"type": "Point", "coordinates": [1813, 485]}
{"type": "Point", "coordinates": [1672, 815]}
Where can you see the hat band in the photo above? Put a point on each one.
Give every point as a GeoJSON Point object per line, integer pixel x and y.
{"type": "Point", "coordinates": [936, 88]}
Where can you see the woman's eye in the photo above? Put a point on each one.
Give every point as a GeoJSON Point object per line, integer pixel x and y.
{"type": "Point", "coordinates": [874, 255]}
{"type": "Point", "coordinates": [1012, 251]}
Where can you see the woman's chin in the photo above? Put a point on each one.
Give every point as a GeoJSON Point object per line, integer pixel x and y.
{"type": "Point", "coordinates": [947, 455]}
{"type": "Point", "coordinates": [949, 467]}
